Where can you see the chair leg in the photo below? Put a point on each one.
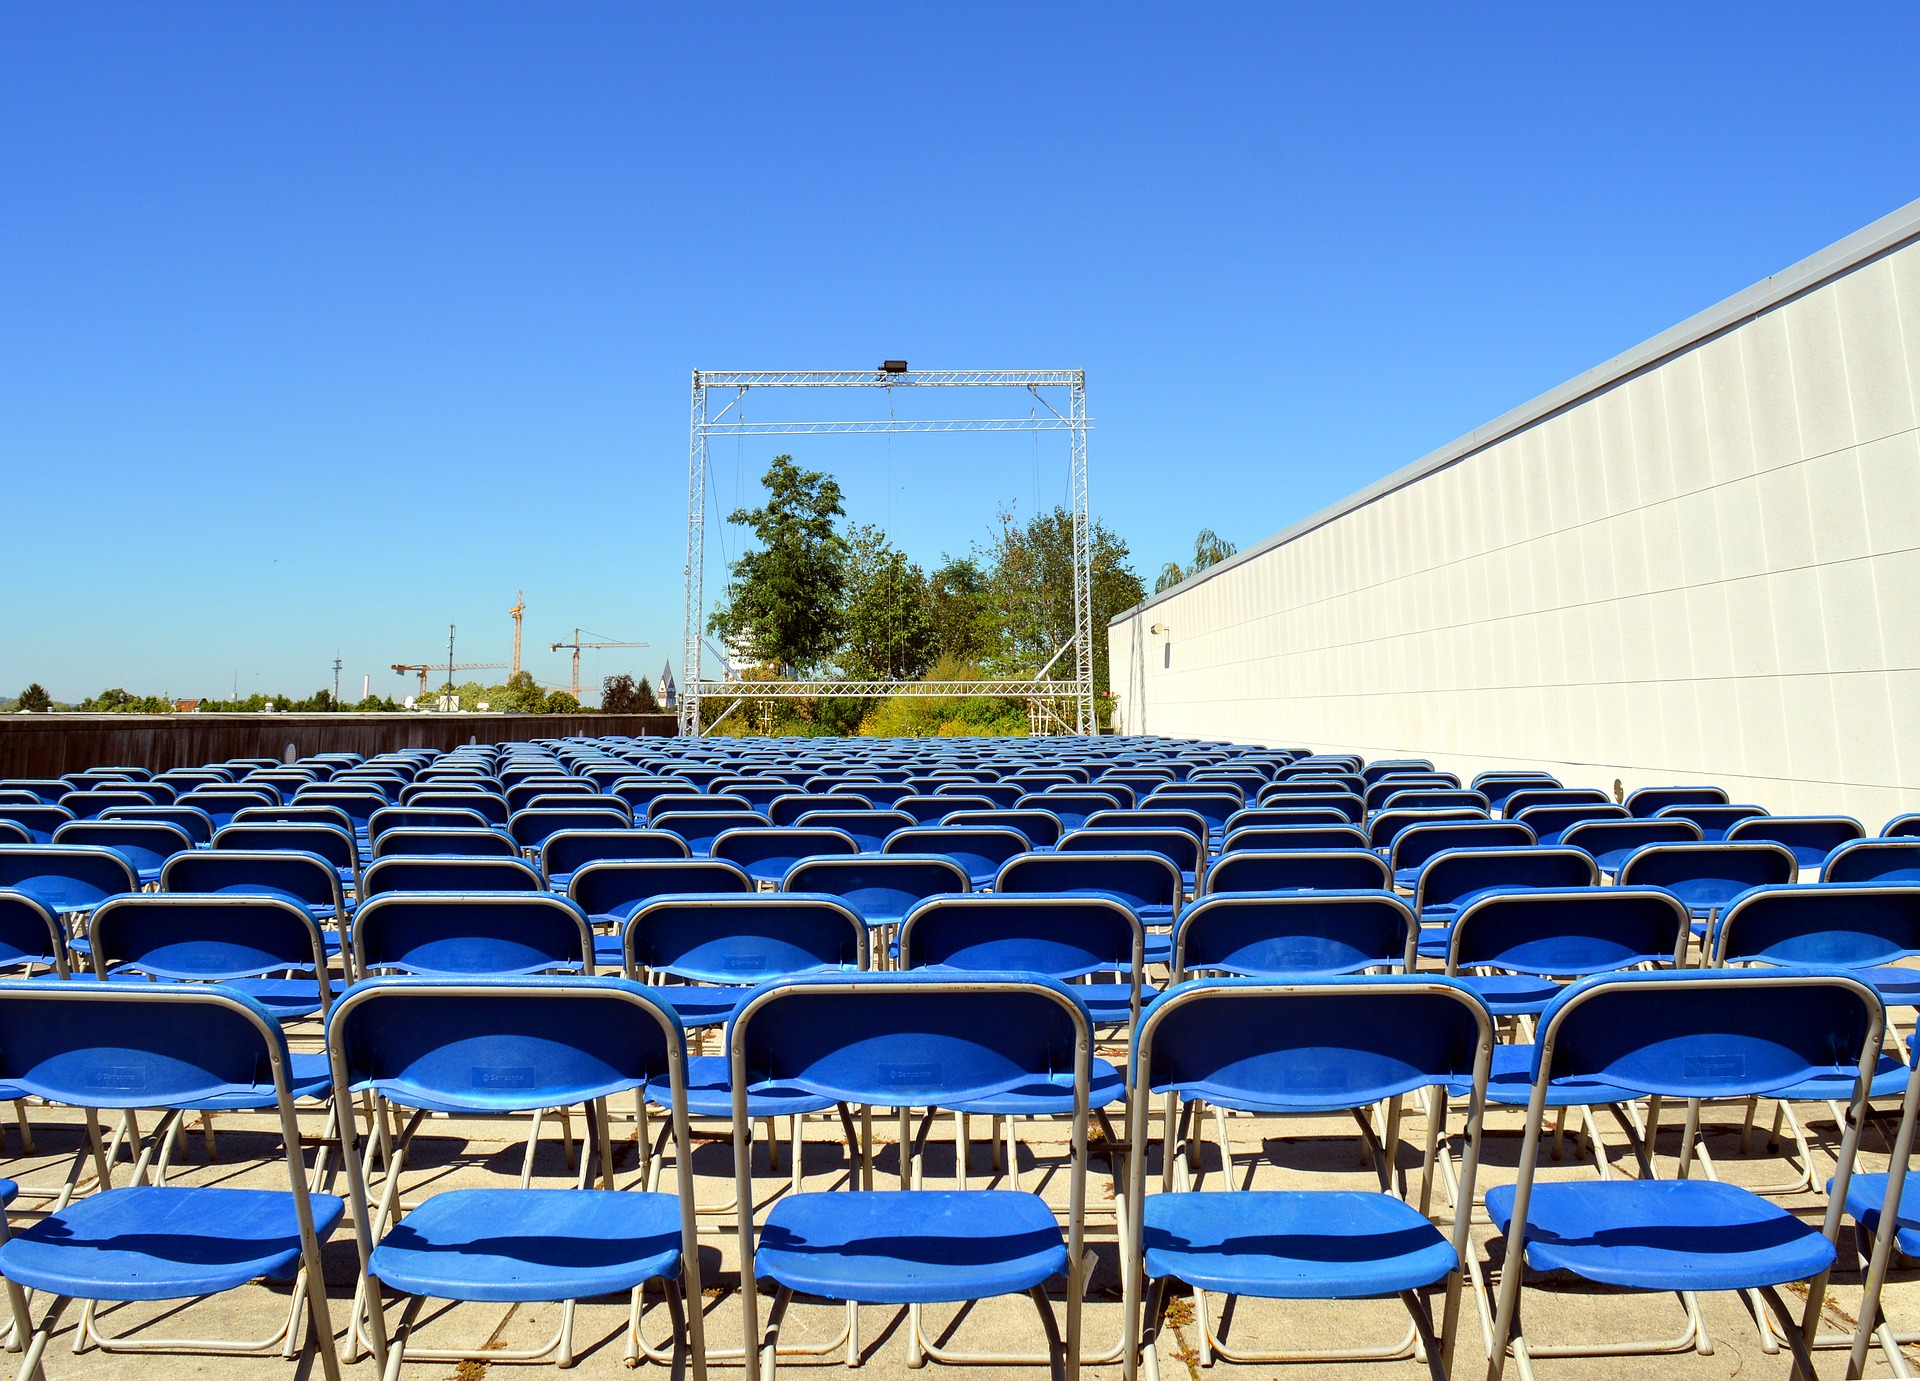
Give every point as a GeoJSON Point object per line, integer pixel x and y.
{"type": "Point", "coordinates": [30, 1368]}
{"type": "Point", "coordinates": [1056, 1349]}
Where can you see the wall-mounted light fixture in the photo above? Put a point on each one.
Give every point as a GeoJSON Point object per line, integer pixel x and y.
{"type": "Point", "coordinates": [1159, 628]}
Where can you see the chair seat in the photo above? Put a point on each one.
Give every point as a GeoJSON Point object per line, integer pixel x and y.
{"type": "Point", "coordinates": [1898, 985]}
{"type": "Point", "coordinates": [1889, 1081]}
{"type": "Point", "coordinates": [702, 1006]}
{"type": "Point", "coordinates": [286, 998]}
{"type": "Point", "coordinates": [1510, 1084]}
{"type": "Point", "coordinates": [1295, 1244]}
{"type": "Point", "coordinates": [1664, 1234]}
{"type": "Point", "coordinates": [1867, 1195]}
{"type": "Point", "coordinates": [709, 1094]}
{"type": "Point", "coordinates": [910, 1246]}
{"type": "Point", "coordinates": [1111, 1004]}
{"type": "Point", "coordinates": [153, 1242]}
{"type": "Point", "coordinates": [531, 1244]}
{"type": "Point", "coordinates": [1046, 1097]}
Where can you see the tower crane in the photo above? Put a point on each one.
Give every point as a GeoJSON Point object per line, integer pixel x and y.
{"type": "Point", "coordinates": [576, 645]}
{"type": "Point", "coordinates": [519, 608]}
{"type": "Point", "coordinates": [421, 669]}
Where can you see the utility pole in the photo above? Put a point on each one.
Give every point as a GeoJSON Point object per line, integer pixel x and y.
{"type": "Point", "coordinates": [336, 680]}
{"type": "Point", "coordinates": [450, 689]}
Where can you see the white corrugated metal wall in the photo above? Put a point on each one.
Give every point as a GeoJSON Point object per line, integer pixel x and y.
{"type": "Point", "coordinates": [1699, 562]}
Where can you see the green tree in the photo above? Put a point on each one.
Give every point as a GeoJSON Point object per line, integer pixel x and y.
{"type": "Point", "coordinates": [1209, 549]}
{"type": "Point", "coordinates": [621, 695]}
{"type": "Point", "coordinates": [959, 606]}
{"type": "Point", "coordinates": [782, 604]}
{"type": "Point", "coordinates": [35, 700]}
{"type": "Point", "coordinates": [1031, 582]}
{"type": "Point", "coordinates": [560, 702]}
{"type": "Point", "coordinates": [120, 701]}
{"type": "Point", "coordinates": [888, 633]}
{"type": "Point", "coordinates": [520, 695]}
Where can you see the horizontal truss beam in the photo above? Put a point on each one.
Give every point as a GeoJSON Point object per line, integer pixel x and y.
{"type": "Point", "coordinates": [887, 424]}
{"type": "Point", "coordinates": [871, 378]}
{"type": "Point", "coordinates": [807, 690]}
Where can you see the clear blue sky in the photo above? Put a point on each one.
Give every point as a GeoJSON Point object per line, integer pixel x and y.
{"type": "Point", "coordinates": [322, 327]}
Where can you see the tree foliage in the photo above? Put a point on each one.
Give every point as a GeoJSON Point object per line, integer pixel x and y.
{"type": "Point", "coordinates": [1209, 549]}
{"type": "Point", "coordinates": [782, 604]}
{"type": "Point", "coordinates": [888, 634]}
{"type": "Point", "coordinates": [1031, 585]}
{"type": "Point", "coordinates": [120, 701]}
{"type": "Point", "coordinates": [622, 695]}
{"type": "Point", "coordinates": [35, 700]}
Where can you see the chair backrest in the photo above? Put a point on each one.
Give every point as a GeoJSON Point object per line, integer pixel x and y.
{"type": "Point", "coordinates": [1297, 870]}
{"type": "Point", "coordinates": [31, 934]}
{"type": "Point", "coordinates": [694, 803]}
{"type": "Point", "coordinates": [441, 934]}
{"type": "Point", "coordinates": [1548, 822]}
{"type": "Point", "coordinates": [1280, 816]}
{"type": "Point", "coordinates": [880, 890]}
{"type": "Point", "coordinates": [436, 842]}
{"type": "Point", "coordinates": [1380, 788]}
{"type": "Point", "coordinates": [1148, 818]}
{"type": "Point", "coordinates": [565, 850]}
{"type": "Point", "coordinates": [65, 877]}
{"type": "Point", "coordinates": [332, 842]}
{"type": "Point", "coordinates": [1714, 821]}
{"type": "Point", "coordinates": [188, 937]}
{"type": "Point", "coordinates": [740, 941]}
{"type": "Point", "coordinates": [1707, 876]}
{"type": "Point", "coordinates": [423, 874]}
{"type": "Point", "coordinates": [1811, 837]}
{"type": "Point", "coordinates": [300, 814]}
{"type": "Point", "coordinates": [1498, 786]}
{"type": "Point", "coordinates": [1449, 878]}
{"type": "Point", "coordinates": [1569, 932]}
{"type": "Point", "coordinates": [1266, 935]}
{"type": "Point", "coordinates": [1073, 807]}
{"type": "Point", "coordinates": [787, 809]}
{"type": "Point", "coordinates": [1284, 838]}
{"type": "Point", "coordinates": [223, 804]}
{"type": "Point", "coordinates": [392, 818]}
{"type": "Point", "coordinates": [1383, 827]}
{"type": "Point", "coordinates": [48, 790]}
{"type": "Point", "coordinates": [302, 877]}
{"type": "Point", "coordinates": [1529, 797]}
{"type": "Point", "coordinates": [871, 793]}
{"type": "Point", "coordinates": [1831, 925]}
{"type": "Point", "coordinates": [1311, 1046]}
{"type": "Point", "coordinates": [1147, 882]}
{"type": "Point", "coordinates": [867, 828]}
{"type": "Point", "coordinates": [978, 849]}
{"type": "Point", "coordinates": [1002, 794]}
{"type": "Point", "coordinates": [1041, 828]}
{"type": "Point", "coordinates": [523, 794]}
{"type": "Point", "coordinates": [616, 888]}
{"type": "Point", "coordinates": [931, 809]}
{"type": "Point", "coordinates": [146, 844]}
{"type": "Point", "coordinates": [579, 800]}
{"type": "Point", "coordinates": [1057, 937]}
{"type": "Point", "coordinates": [531, 828]}
{"type": "Point", "coordinates": [1651, 800]}
{"type": "Point", "coordinates": [42, 821]}
{"type": "Point", "coordinates": [1902, 826]}
{"type": "Point", "coordinates": [1611, 842]}
{"type": "Point", "coordinates": [1188, 854]}
{"type": "Point", "coordinates": [1212, 806]}
{"type": "Point", "coordinates": [1874, 860]}
{"type": "Point", "coordinates": [1415, 845]}
{"type": "Point", "coordinates": [90, 805]}
{"type": "Point", "coordinates": [504, 1045]}
{"type": "Point", "coordinates": [1286, 795]}
{"type": "Point", "coordinates": [766, 852]}
{"type": "Point", "coordinates": [700, 828]}
{"type": "Point", "coordinates": [359, 805]}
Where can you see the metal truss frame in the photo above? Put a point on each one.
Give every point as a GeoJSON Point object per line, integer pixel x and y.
{"type": "Point", "coordinates": [1042, 695]}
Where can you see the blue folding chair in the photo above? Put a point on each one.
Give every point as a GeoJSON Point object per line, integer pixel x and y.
{"type": "Point", "coordinates": [883, 889]}
{"type": "Point", "coordinates": [701, 828]}
{"type": "Point", "coordinates": [173, 1047]}
{"type": "Point", "coordinates": [500, 1047]}
{"type": "Point", "coordinates": [713, 949]}
{"type": "Point", "coordinates": [1284, 838]}
{"type": "Point", "coordinates": [91, 805]}
{"type": "Point", "coordinates": [1613, 842]}
{"type": "Point", "coordinates": [1865, 928]}
{"type": "Point", "coordinates": [1178, 846]}
{"type": "Point", "coordinates": [1305, 796]}
{"type": "Point", "coordinates": [1273, 935]}
{"type": "Point", "coordinates": [1874, 860]}
{"type": "Point", "coordinates": [1432, 798]}
{"type": "Point", "coordinates": [333, 842]}
{"type": "Point", "coordinates": [1267, 817]}
{"type": "Point", "coordinates": [565, 851]}
{"type": "Point", "coordinates": [298, 814]}
{"type": "Point", "coordinates": [1041, 828]}
{"type": "Point", "coordinates": [867, 828]}
{"type": "Point", "coordinates": [391, 818]}
{"type": "Point", "coordinates": [1071, 938]}
{"type": "Point", "coordinates": [980, 851]}
{"type": "Point", "coordinates": [1685, 1036]}
{"type": "Point", "coordinates": [1529, 797]}
{"type": "Point", "coordinates": [145, 844]}
{"type": "Point", "coordinates": [31, 936]}
{"type": "Point", "coordinates": [1498, 786]}
{"type": "Point", "coordinates": [1550, 822]}
{"type": "Point", "coordinates": [1706, 877]}
{"type": "Point", "coordinates": [1314, 1046]}
{"type": "Point", "coordinates": [269, 948]}
{"type": "Point", "coordinates": [444, 843]}
{"type": "Point", "coordinates": [912, 1041]}
{"type": "Point", "coordinates": [38, 821]}
{"type": "Point", "coordinates": [1902, 826]}
{"type": "Point", "coordinates": [65, 878]}
{"type": "Point", "coordinates": [1215, 807]}
{"type": "Point", "coordinates": [1811, 837]}
{"type": "Point", "coordinates": [610, 892]}
{"type": "Point", "coordinates": [532, 827]}
{"type": "Point", "coordinates": [1297, 870]}
{"type": "Point", "coordinates": [766, 853]}
{"type": "Point", "coordinates": [787, 809]}
{"type": "Point", "coordinates": [223, 804]}
{"type": "Point", "coordinates": [1650, 801]}
{"type": "Point", "coordinates": [1414, 847]}
{"type": "Point", "coordinates": [925, 809]}
{"type": "Point", "coordinates": [455, 934]}
{"type": "Point", "coordinates": [1513, 947]}
{"type": "Point", "coordinates": [1073, 807]}
{"type": "Point", "coordinates": [403, 873]}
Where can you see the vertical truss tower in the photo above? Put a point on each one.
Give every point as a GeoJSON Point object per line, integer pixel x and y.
{"type": "Point", "coordinates": [1058, 703]}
